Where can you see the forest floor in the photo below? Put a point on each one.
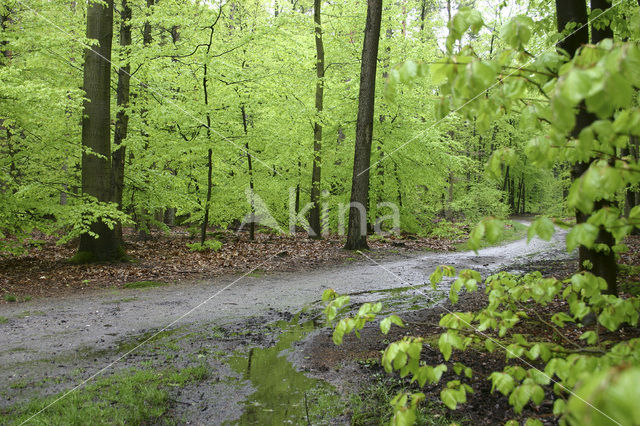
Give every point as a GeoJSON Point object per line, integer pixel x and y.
{"type": "Point", "coordinates": [165, 258]}
{"type": "Point", "coordinates": [215, 347]}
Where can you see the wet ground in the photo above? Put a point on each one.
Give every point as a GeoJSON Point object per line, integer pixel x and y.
{"type": "Point", "coordinates": [238, 326]}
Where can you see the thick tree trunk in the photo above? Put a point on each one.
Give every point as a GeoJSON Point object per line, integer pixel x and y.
{"type": "Point", "coordinates": [599, 262]}
{"type": "Point", "coordinates": [96, 132]}
{"type": "Point", "coordinates": [122, 116]}
{"type": "Point", "coordinates": [356, 235]}
{"type": "Point", "coordinates": [316, 174]}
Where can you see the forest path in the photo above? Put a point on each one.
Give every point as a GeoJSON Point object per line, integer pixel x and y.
{"type": "Point", "coordinates": [43, 332]}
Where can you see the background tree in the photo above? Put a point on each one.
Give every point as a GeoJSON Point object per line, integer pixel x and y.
{"type": "Point", "coordinates": [316, 174]}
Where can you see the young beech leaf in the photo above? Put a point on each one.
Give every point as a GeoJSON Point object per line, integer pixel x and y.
{"type": "Point", "coordinates": [517, 31]}
{"type": "Point", "coordinates": [542, 227]}
{"type": "Point", "coordinates": [449, 397]}
{"type": "Point", "coordinates": [503, 382]}
{"type": "Point", "coordinates": [385, 324]}
{"type": "Point", "coordinates": [590, 336]}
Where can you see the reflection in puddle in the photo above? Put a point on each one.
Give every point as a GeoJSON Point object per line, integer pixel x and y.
{"type": "Point", "coordinates": [283, 395]}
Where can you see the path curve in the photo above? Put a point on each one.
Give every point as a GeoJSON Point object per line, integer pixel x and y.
{"type": "Point", "coordinates": [48, 328]}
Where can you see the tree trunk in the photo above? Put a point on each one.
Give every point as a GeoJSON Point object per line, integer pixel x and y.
{"type": "Point", "coordinates": [252, 225]}
{"type": "Point", "coordinates": [96, 132]}
{"type": "Point", "coordinates": [524, 196]}
{"type": "Point", "coordinates": [314, 213]}
{"type": "Point", "coordinates": [205, 89]}
{"type": "Point", "coordinates": [600, 263]}
{"type": "Point", "coordinates": [356, 235]}
{"type": "Point", "coordinates": [122, 117]}
{"type": "Point", "coordinates": [146, 29]}
{"type": "Point", "coordinates": [142, 219]}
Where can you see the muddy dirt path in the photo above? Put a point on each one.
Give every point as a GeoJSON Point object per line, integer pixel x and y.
{"type": "Point", "coordinates": [40, 336]}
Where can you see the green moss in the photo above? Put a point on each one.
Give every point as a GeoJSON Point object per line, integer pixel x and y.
{"type": "Point", "coordinates": [149, 337]}
{"type": "Point", "coordinates": [82, 257]}
{"type": "Point", "coordinates": [144, 284]}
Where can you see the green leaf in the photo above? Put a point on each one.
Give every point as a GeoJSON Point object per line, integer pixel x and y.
{"type": "Point", "coordinates": [444, 344]}
{"type": "Point", "coordinates": [576, 86]}
{"type": "Point", "coordinates": [448, 396]}
{"type": "Point", "coordinates": [583, 234]}
{"type": "Point", "coordinates": [543, 227]}
{"type": "Point", "coordinates": [436, 276]}
{"type": "Point", "coordinates": [590, 336]}
{"type": "Point", "coordinates": [503, 382]}
{"type": "Point", "coordinates": [408, 71]}
{"type": "Point", "coordinates": [385, 324]}
{"type": "Point", "coordinates": [517, 32]}
{"type": "Point", "coordinates": [558, 407]}
{"type": "Point", "coordinates": [494, 228]}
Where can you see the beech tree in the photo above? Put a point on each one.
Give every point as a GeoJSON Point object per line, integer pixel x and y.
{"type": "Point", "coordinates": [316, 174]}
{"type": "Point", "coordinates": [268, 66]}
{"type": "Point", "coordinates": [357, 231]}
{"type": "Point", "coordinates": [101, 242]}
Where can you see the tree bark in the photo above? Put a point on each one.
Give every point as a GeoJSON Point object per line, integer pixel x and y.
{"type": "Point", "coordinates": [316, 174]}
{"type": "Point", "coordinates": [122, 116]}
{"type": "Point", "coordinates": [356, 235]}
{"type": "Point", "coordinates": [600, 263]}
{"type": "Point", "coordinates": [252, 225]}
{"type": "Point", "coordinates": [96, 132]}
{"type": "Point", "coordinates": [205, 90]}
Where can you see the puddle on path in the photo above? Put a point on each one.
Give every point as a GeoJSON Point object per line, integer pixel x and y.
{"type": "Point", "coordinates": [283, 395]}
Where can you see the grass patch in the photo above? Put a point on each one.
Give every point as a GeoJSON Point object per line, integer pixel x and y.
{"type": "Point", "coordinates": [3, 320]}
{"type": "Point", "coordinates": [133, 397]}
{"type": "Point", "coordinates": [371, 405]}
{"type": "Point", "coordinates": [10, 298]}
{"type": "Point", "coordinates": [144, 284]}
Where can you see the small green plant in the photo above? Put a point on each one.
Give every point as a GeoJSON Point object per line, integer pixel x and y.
{"type": "Point", "coordinates": [193, 231]}
{"type": "Point", "coordinates": [213, 245]}
{"type": "Point", "coordinates": [143, 284]}
{"type": "Point", "coordinates": [446, 229]}
{"type": "Point", "coordinates": [10, 298]}
{"type": "Point", "coordinates": [3, 320]}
